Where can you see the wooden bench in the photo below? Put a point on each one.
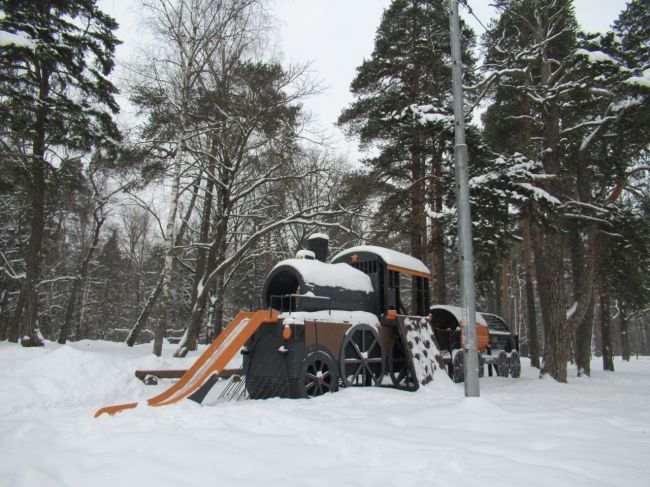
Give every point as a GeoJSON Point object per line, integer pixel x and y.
{"type": "Point", "coordinates": [151, 377]}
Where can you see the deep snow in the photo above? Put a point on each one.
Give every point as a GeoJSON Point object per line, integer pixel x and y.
{"type": "Point", "coordinates": [590, 432]}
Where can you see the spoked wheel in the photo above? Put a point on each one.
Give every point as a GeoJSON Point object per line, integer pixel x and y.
{"type": "Point", "coordinates": [318, 375]}
{"type": "Point", "coordinates": [515, 365]}
{"type": "Point", "coordinates": [362, 357]}
{"type": "Point", "coordinates": [399, 366]}
{"type": "Point", "coordinates": [502, 364]}
{"type": "Point", "coordinates": [458, 362]}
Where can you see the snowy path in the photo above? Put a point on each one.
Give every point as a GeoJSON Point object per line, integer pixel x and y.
{"type": "Point", "coordinates": [591, 432]}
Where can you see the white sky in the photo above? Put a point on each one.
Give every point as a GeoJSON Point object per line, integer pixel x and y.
{"type": "Point", "coordinates": [335, 35]}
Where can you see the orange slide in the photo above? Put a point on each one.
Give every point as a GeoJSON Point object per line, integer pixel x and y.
{"type": "Point", "coordinates": [211, 362]}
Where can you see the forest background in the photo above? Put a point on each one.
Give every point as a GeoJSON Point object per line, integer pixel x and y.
{"type": "Point", "coordinates": [559, 162]}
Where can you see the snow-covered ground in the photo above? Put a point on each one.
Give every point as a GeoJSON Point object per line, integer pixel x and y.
{"type": "Point", "coordinates": [590, 432]}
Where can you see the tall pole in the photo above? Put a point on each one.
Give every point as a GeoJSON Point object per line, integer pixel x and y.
{"type": "Point", "coordinates": [466, 259]}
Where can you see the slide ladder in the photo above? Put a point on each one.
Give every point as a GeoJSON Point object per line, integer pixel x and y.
{"type": "Point", "coordinates": [212, 361]}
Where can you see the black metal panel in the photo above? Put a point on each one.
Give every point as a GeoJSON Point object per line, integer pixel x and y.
{"type": "Point", "coordinates": [386, 284]}
{"type": "Point", "coordinates": [500, 336]}
{"type": "Point", "coordinates": [286, 280]}
{"type": "Point", "coordinates": [447, 329]}
{"type": "Point", "coordinates": [319, 246]}
{"type": "Point", "coordinates": [495, 323]}
{"type": "Point", "coordinates": [273, 365]}
{"type": "Point", "coordinates": [299, 302]}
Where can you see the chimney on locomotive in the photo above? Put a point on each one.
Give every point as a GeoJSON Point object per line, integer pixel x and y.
{"type": "Point", "coordinates": [318, 243]}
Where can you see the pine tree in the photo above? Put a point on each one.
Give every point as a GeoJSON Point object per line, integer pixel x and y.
{"type": "Point", "coordinates": [403, 111]}
{"type": "Point", "coordinates": [633, 27]}
{"type": "Point", "coordinates": [582, 116]}
{"type": "Point", "coordinates": [610, 125]}
{"type": "Point", "coordinates": [55, 98]}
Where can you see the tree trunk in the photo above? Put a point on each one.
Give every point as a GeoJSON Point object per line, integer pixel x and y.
{"type": "Point", "coordinates": [437, 241]}
{"type": "Point", "coordinates": [83, 300]}
{"type": "Point", "coordinates": [203, 259]}
{"type": "Point", "coordinates": [625, 339]}
{"type": "Point", "coordinates": [4, 321]}
{"type": "Point", "coordinates": [143, 317]}
{"type": "Point", "coordinates": [170, 240]}
{"type": "Point", "coordinates": [418, 219]}
{"type": "Point", "coordinates": [438, 267]}
{"type": "Point", "coordinates": [505, 290]}
{"type": "Point", "coordinates": [553, 301]}
{"type": "Point", "coordinates": [496, 279]}
{"type": "Point", "coordinates": [190, 338]}
{"type": "Point", "coordinates": [79, 282]}
{"type": "Point", "coordinates": [69, 311]}
{"type": "Point", "coordinates": [16, 318]}
{"type": "Point", "coordinates": [215, 257]}
{"type": "Point", "coordinates": [29, 324]}
{"type": "Point", "coordinates": [583, 329]}
{"type": "Point", "coordinates": [418, 223]}
{"type": "Point", "coordinates": [528, 235]}
{"type": "Point", "coordinates": [550, 271]}
{"type": "Point", "coordinates": [196, 318]}
{"type": "Point", "coordinates": [531, 313]}
{"type": "Point", "coordinates": [218, 306]}
{"type": "Point", "coordinates": [606, 330]}
{"type": "Point", "coordinates": [583, 341]}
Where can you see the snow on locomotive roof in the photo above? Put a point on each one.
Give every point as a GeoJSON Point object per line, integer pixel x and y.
{"type": "Point", "coordinates": [305, 254]}
{"type": "Point", "coordinates": [457, 312]}
{"type": "Point", "coordinates": [389, 256]}
{"type": "Point", "coordinates": [319, 235]}
{"type": "Point", "coordinates": [319, 273]}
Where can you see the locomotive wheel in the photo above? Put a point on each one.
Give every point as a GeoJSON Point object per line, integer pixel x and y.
{"type": "Point", "coordinates": [317, 375]}
{"type": "Point", "coordinates": [458, 362]}
{"type": "Point", "coordinates": [399, 366]}
{"type": "Point", "coordinates": [362, 357]}
{"type": "Point", "coordinates": [502, 364]}
{"type": "Point", "coordinates": [515, 365]}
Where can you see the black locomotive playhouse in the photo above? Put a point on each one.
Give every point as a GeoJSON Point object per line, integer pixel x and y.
{"type": "Point", "coordinates": [350, 323]}
{"type": "Point", "coordinates": [353, 321]}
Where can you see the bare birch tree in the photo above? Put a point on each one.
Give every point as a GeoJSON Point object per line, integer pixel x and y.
{"type": "Point", "coordinates": [189, 33]}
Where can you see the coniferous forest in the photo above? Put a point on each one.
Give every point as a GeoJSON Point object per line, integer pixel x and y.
{"type": "Point", "coordinates": [159, 227]}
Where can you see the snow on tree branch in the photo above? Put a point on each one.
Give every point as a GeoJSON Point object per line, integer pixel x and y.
{"type": "Point", "coordinates": [18, 39]}
{"type": "Point", "coordinates": [642, 80]}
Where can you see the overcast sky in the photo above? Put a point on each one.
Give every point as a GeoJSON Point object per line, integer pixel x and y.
{"type": "Point", "coordinates": [335, 35]}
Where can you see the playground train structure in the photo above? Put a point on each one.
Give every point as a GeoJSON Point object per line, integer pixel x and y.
{"type": "Point", "coordinates": [363, 319]}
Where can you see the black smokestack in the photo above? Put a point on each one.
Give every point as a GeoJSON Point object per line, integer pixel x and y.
{"type": "Point", "coordinates": [318, 243]}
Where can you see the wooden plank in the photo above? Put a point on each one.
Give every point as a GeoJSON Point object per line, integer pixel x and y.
{"type": "Point", "coordinates": [177, 374]}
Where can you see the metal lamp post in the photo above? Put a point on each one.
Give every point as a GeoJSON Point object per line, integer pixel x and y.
{"type": "Point", "coordinates": [466, 257]}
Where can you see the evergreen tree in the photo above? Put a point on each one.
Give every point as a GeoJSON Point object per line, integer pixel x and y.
{"type": "Point", "coordinates": [633, 29]}
{"type": "Point", "coordinates": [55, 99]}
{"type": "Point", "coordinates": [403, 112]}
{"type": "Point", "coordinates": [535, 40]}
{"type": "Point", "coordinates": [609, 120]}
{"type": "Point", "coordinates": [581, 114]}
{"type": "Point", "coordinates": [108, 289]}
{"type": "Point", "coordinates": [623, 275]}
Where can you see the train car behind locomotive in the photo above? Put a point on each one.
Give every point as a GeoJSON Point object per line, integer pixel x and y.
{"type": "Point", "coordinates": [497, 346]}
